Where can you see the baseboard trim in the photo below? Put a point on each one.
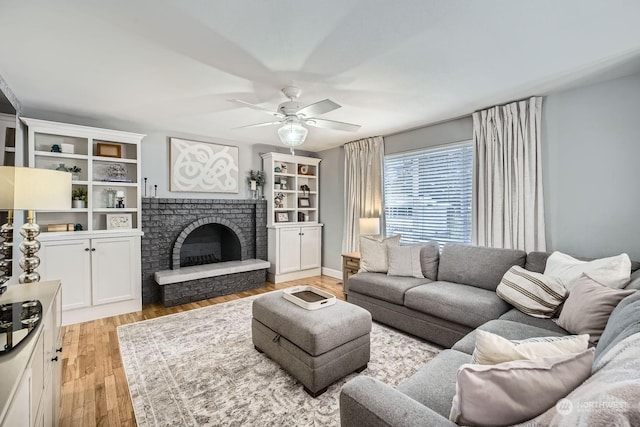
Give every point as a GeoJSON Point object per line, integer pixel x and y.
{"type": "Point", "coordinates": [336, 274]}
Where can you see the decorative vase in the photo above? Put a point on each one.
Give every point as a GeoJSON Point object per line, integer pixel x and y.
{"type": "Point", "coordinates": [75, 177]}
{"type": "Point", "coordinates": [62, 168]}
{"type": "Point", "coordinates": [78, 204]}
{"type": "Point", "coordinates": [111, 197]}
{"type": "Point", "coordinates": [259, 195]}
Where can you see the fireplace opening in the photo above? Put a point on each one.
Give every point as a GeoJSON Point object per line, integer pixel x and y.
{"type": "Point", "coordinates": [208, 244]}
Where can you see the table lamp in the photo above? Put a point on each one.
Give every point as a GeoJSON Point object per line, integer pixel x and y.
{"type": "Point", "coordinates": [34, 189]}
{"type": "Point", "coordinates": [6, 233]}
{"type": "Point", "coordinates": [369, 226]}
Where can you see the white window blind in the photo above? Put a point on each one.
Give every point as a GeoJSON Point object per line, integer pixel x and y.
{"type": "Point", "coordinates": [427, 194]}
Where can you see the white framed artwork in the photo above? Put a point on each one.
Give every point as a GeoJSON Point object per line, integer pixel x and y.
{"type": "Point", "coordinates": [120, 221]}
{"type": "Point", "coordinates": [203, 167]}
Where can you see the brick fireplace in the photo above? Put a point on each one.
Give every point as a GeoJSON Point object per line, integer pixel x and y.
{"type": "Point", "coordinates": [170, 224]}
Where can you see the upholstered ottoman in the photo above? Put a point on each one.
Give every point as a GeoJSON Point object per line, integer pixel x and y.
{"type": "Point", "coordinates": [317, 347]}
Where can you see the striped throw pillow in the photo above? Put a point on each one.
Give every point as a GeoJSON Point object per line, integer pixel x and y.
{"type": "Point", "coordinates": [532, 293]}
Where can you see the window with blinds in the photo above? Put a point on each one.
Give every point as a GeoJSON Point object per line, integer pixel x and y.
{"type": "Point", "coordinates": [427, 194]}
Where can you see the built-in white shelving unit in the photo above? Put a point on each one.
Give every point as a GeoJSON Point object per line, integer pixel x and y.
{"type": "Point", "coordinates": [294, 233]}
{"type": "Point", "coordinates": [99, 266]}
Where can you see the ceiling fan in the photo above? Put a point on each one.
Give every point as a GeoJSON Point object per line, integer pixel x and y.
{"type": "Point", "coordinates": [292, 116]}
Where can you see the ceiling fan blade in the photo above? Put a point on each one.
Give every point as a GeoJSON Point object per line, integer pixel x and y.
{"type": "Point", "coordinates": [332, 124]}
{"type": "Point", "coordinates": [318, 108]}
{"type": "Point", "coordinates": [256, 107]}
{"type": "Point", "coordinates": [257, 125]}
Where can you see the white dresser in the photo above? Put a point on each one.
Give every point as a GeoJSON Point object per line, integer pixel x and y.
{"type": "Point", "coordinates": [31, 373]}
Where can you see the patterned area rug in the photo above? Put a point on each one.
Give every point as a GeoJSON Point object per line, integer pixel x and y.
{"type": "Point", "coordinates": [199, 368]}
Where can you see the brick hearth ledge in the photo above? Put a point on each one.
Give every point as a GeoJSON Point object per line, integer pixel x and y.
{"type": "Point", "coordinates": [167, 277]}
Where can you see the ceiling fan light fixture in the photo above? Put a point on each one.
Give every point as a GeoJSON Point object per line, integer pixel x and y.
{"type": "Point", "coordinates": [292, 134]}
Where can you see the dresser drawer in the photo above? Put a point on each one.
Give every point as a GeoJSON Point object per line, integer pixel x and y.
{"type": "Point", "coordinates": [351, 263]}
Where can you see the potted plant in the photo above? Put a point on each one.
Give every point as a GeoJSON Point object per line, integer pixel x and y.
{"type": "Point", "coordinates": [79, 196]}
{"type": "Point", "coordinates": [75, 172]}
{"type": "Point", "coordinates": [256, 179]}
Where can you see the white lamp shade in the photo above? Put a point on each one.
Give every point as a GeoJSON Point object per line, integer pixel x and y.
{"type": "Point", "coordinates": [292, 134]}
{"type": "Point", "coordinates": [369, 226]}
{"type": "Point", "coordinates": [34, 189]}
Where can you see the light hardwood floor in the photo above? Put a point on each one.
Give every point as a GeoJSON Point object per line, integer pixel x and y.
{"type": "Point", "coordinates": [94, 385]}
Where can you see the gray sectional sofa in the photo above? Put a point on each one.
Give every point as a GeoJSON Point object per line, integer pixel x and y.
{"type": "Point", "coordinates": [446, 308]}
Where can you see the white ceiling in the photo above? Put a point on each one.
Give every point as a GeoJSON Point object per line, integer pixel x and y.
{"type": "Point", "coordinates": [392, 65]}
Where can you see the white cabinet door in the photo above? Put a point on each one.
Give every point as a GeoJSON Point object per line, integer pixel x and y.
{"type": "Point", "coordinates": [113, 269]}
{"type": "Point", "coordinates": [19, 413]}
{"type": "Point", "coordinates": [68, 261]}
{"type": "Point", "coordinates": [289, 250]}
{"type": "Point", "coordinates": [310, 247]}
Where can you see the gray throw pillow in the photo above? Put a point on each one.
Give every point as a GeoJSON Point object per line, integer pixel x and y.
{"type": "Point", "coordinates": [405, 261]}
{"type": "Point", "coordinates": [588, 307]}
{"type": "Point", "coordinates": [513, 392]}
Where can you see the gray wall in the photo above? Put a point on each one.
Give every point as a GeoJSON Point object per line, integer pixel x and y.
{"type": "Point", "coordinates": [591, 171]}
{"type": "Point", "coordinates": [590, 145]}
{"type": "Point", "coordinates": [591, 154]}
{"type": "Point", "coordinates": [332, 206]}
{"type": "Point", "coordinates": [430, 136]}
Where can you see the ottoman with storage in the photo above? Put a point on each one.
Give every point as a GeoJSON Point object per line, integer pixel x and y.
{"type": "Point", "coordinates": [317, 347]}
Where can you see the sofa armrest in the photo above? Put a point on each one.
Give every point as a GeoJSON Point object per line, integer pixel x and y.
{"type": "Point", "coordinates": [365, 401]}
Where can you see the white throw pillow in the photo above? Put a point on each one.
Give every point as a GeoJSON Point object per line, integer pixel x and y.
{"type": "Point", "coordinates": [532, 293]}
{"type": "Point", "coordinates": [492, 349]}
{"type": "Point", "coordinates": [513, 392]}
{"type": "Point", "coordinates": [614, 272]}
{"type": "Point", "coordinates": [373, 253]}
{"type": "Point", "coordinates": [405, 261]}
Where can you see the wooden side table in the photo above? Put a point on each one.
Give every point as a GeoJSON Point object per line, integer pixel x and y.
{"type": "Point", "coordinates": [350, 266]}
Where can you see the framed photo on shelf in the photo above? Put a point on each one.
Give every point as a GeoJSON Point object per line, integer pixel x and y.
{"type": "Point", "coordinates": [282, 217]}
{"type": "Point", "coordinates": [303, 202]}
{"type": "Point", "coordinates": [120, 221]}
{"type": "Point", "coordinates": [109, 150]}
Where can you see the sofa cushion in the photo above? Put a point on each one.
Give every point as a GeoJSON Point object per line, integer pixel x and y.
{"type": "Point", "coordinates": [516, 315]}
{"type": "Point", "coordinates": [502, 394]}
{"type": "Point", "coordinates": [381, 286]}
{"type": "Point", "coordinates": [612, 271]}
{"type": "Point", "coordinates": [536, 261]}
{"type": "Point", "coordinates": [373, 253]}
{"type": "Point", "coordinates": [429, 259]}
{"type": "Point", "coordinates": [532, 293]}
{"type": "Point", "coordinates": [589, 306]}
{"type": "Point", "coordinates": [463, 304]}
{"type": "Point", "coordinates": [492, 349]}
{"type": "Point", "coordinates": [476, 265]}
{"type": "Point", "coordinates": [506, 329]}
{"type": "Point", "coordinates": [634, 281]}
{"type": "Point", "coordinates": [623, 322]}
{"type": "Point", "coordinates": [405, 261]}
{"type": "Point", "coordinates": [434, 385]}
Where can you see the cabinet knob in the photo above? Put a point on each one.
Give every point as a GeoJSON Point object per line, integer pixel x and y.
{"type": "Point", "coordinates": [86, 249]}
{"type": "Point", "coordinates": [59, 350]}
{"type": "Point", "coordinates": [93, 249]}
{"type": "Point", "coordinates": [54, 359]}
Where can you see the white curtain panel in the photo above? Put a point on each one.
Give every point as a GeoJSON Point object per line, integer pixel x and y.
{"type": "Point", "coordinates": [508, 207]}
{"type": "Point", "coordinates": [363, 168]}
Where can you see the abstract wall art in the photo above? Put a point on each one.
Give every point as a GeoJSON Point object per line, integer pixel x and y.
{"type": "Point", "coordinates": [203, 167]}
